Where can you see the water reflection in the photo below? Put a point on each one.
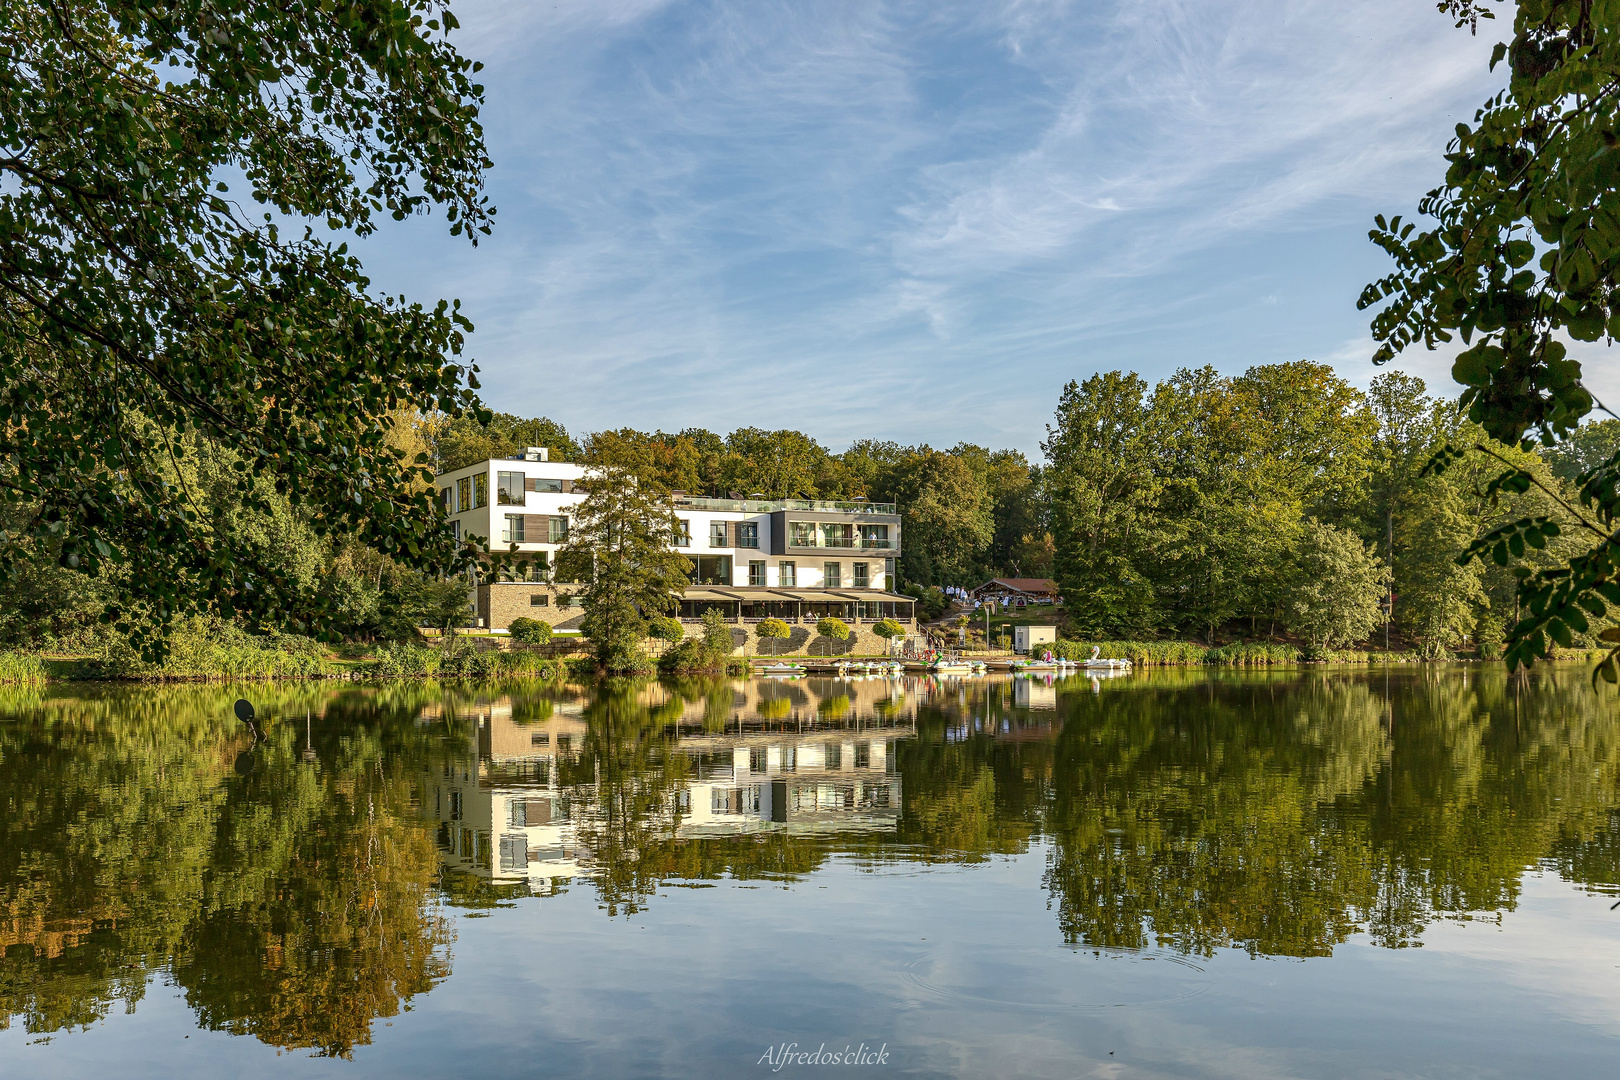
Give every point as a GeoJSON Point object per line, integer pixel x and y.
{"type": "Point", "coordinates": [540, 789]}
{"type": "Point", "coordinates": [1175, 814]}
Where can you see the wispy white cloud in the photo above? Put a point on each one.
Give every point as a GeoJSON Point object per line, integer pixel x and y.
{"type": "Point", "coordinates": [919, 221]}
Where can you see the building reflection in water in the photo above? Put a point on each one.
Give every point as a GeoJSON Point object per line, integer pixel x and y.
{"type": "Point", "coordinates": [1275, 812]}
{"type": "Point", "coordinates": [812, 757]}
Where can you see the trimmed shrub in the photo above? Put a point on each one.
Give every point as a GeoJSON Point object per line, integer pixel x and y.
{"type": "Point", "coordinates": [772, 630]}
{"type": "Point", "coordinates": [833, 628]}
{"type": "Point", "coordinates": [888, 629]}
{"type": "Point", "coordinates": [529, 631]}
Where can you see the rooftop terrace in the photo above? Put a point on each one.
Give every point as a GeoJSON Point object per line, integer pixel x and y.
{"type": "Point", "coordinates": [767, 506]}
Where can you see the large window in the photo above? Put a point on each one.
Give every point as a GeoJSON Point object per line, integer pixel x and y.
{"type": "Point", "coordinates": [509, 489]}
{"type": "Point", "coordinates": [480, 490]}
{"type": "Point", "coordinates": [447, 499]}
{"type": "Point", "coordinates": [756, 573]}
{"type": "Point", "coordinates": [863, 580]}
{"type": "Point", "coordinates": [512, 531]}
{"type": "Point", "coordinates": [788, 574]}
{"type": "Point", "coordinates": [464, 493]}
{"type": "Point", "coordinates": [717, 534]}
{"type": "Point", "coordinates": [748, 534]}
{"type": "Point", "coordinates": [683, 533]}
{"type": "Point", "coordinates": [559, 528]}
{"type": "Point", "coordinates": [547, 487]}
{"type": "Point", "coordinates": [712, 570]}
{"type": "Point", "coordinates": [802, 533]}
{"type": "Point", "coordinates": [875, 536]}
{"type": "Point", "coordinates": [831, 575]}
{"type": "Point", "coordinates": [837, 534]}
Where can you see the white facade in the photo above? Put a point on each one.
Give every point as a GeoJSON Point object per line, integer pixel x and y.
{"type": "Point", "coordinates": [528, 501]}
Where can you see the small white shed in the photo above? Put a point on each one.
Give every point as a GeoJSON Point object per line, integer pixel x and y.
{"type": "Point", "coordinates": [1026, 638]}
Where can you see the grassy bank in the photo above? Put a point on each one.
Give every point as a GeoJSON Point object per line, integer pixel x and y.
{"type": "Point", "coordinates": [203, 650]}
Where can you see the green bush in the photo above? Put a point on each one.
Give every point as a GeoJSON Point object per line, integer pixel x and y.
{"type": "Point", "coordinates": [529, 631]}
{"type": "Point", "coordinates": [717, 639]}
{"type": "Point", "coordinates": [833, 628]}
{"type": "Point", "coordinates": [688, 654]}
{"type": "Point", "coordinates": [405, 660]}
{"type": "Point", "coordinates": [931, 602]}
{"type": "Point", "coordinates": [666, 628]}
{"type": "Point", "coordinates": [888, 629]}
{"type": "Point", "coordinates": [772, 630]}
{"type": "Point", "coordinates": [529, 665]}
{"type": "Point", "coordinates": [211, 649]}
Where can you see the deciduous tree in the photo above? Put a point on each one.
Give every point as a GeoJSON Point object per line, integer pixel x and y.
{"type": "Point", "coordinates": [143, 305]}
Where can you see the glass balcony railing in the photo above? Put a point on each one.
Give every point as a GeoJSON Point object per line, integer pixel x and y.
{"type": "Point", "coordinates": [842, 543]}
{"type": "Point", "coordinates": [766, 506]}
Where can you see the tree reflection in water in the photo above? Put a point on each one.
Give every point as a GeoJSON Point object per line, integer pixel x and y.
{"type": "Point", "coordinates": [1279, 813]}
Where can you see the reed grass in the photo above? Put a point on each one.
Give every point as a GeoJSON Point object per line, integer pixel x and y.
{"type": "Point", "coordinates": [22, 669]}
{"type": "Point", "coordinates": [1237, 654]}
{"type": "Point", "coordinates": [406, 660]}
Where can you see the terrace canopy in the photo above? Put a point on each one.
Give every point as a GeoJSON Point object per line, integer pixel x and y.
{"type": "Point", "coordinates": [795, 605]}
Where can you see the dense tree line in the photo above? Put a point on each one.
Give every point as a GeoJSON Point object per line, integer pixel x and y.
{"type": "Point", "coordinates": [1282, 501]}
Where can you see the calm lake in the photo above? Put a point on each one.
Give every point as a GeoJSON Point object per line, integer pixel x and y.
{"type": "Point", "coordinates": [1295, 873]}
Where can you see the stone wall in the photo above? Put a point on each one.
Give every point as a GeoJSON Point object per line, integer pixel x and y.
{"type": "Point", "coordinates": [803, 641]}
{"type": "Point", "coordinates": [500, 603]}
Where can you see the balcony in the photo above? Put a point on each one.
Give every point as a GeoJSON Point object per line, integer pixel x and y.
{"type": "Point", "coordinates": [768, 506]}
{"type": "Point", "coordinates": [834, 543]}
{"type": "Point", "coordinates": [860, 543]}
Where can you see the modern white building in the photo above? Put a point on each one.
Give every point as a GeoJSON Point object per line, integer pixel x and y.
{"type": "Point", "coordinates": [793, 559]}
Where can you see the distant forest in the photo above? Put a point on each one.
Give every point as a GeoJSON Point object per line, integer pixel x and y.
{"type": "Point", "coordinates": [1202, 506]}
{"type": "Point", "coordinates": [1254, 506]}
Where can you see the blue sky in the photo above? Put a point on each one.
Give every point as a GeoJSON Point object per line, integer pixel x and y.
{"type": "Point", "coordinates": [918, 221]}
